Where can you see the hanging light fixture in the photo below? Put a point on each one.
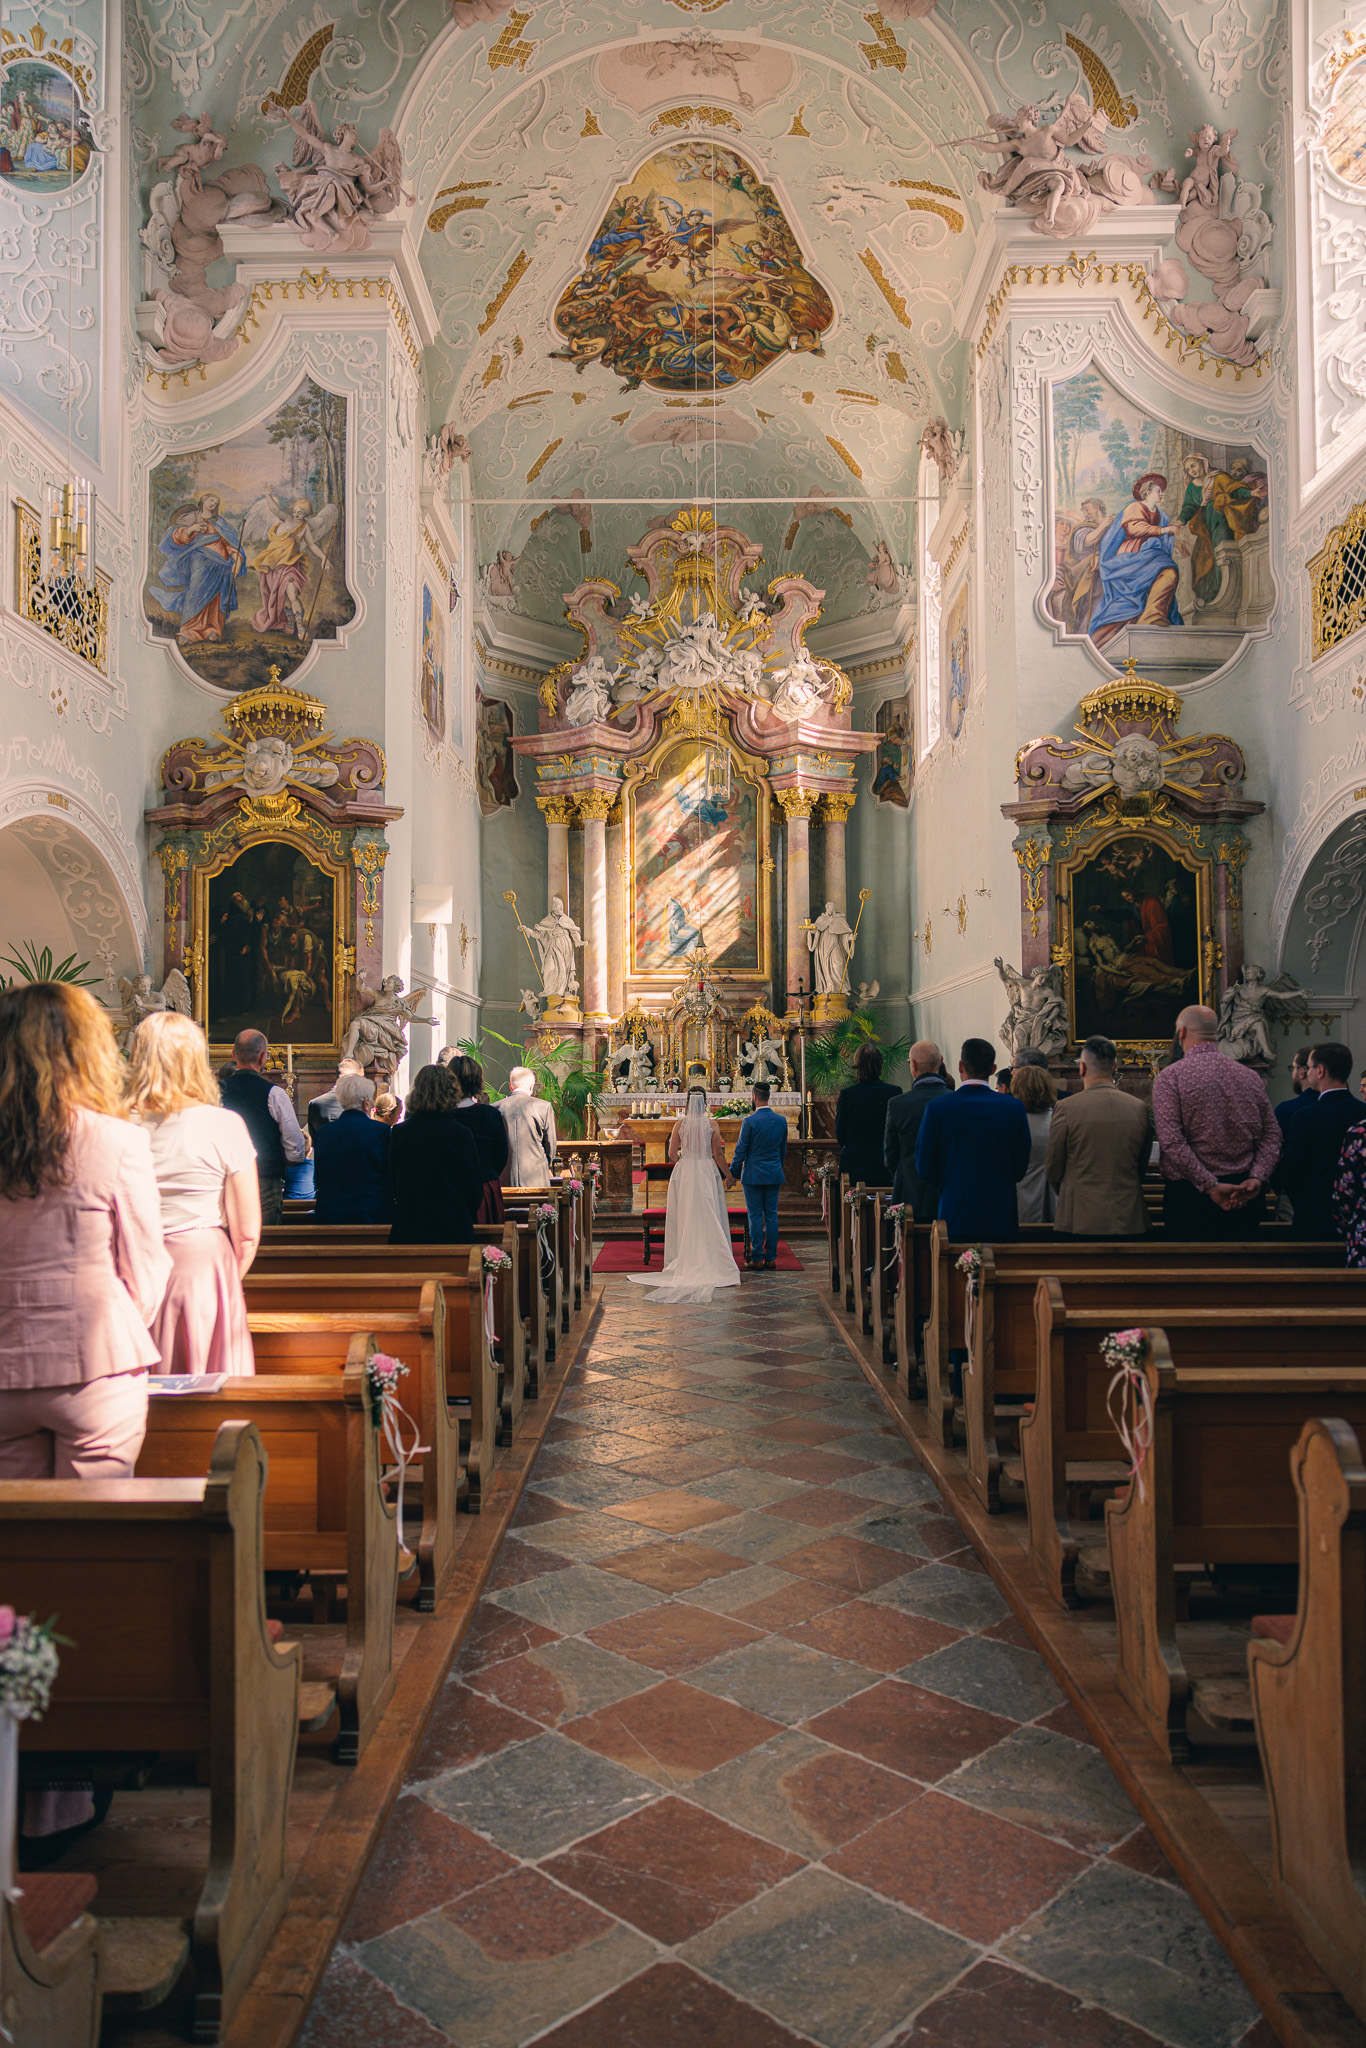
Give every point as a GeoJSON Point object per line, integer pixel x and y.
{"type": "Point", "coordinates": [68, 543]}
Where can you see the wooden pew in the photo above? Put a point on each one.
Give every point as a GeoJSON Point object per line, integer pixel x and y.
{"type": "Point", "coordinates": [863, 1253]}
{"type": "Point", "coordinates": [884, 1278]}
{"type": "Point", "coordinates": [324, 1508]}
{"type": "Point", "coordinates": [1004, 1365]}
{"type": "Point", "coordinates": [51, 1953]}
{"type": "Point", "coordinates": [302, 1323]}
{"type": "Point", "coordinates": [1217, 1490]}
{"type": "Point", "coordinates": [1309, 1703]}
{"type": "Point", "coordinates": [846, 1244]}
{"type": "Point", "coordinates": [509, 1331]}
{"type": "Point", "coordinates": [158, 1586]}
{"type": "Point", "coordinates": [515, 1202]}
{"type": "Point", "coordinates": [1070, 1426]}
{"type": "Point", "coordinates": [833, 1220]}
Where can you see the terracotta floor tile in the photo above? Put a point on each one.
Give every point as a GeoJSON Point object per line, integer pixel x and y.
{"type": "Point", "coordinates": [517, 1562]}
{"type": "Point", "coordinates": [495, 1634]}
{"type": "Point", "coordinates": [538, 1507]}
{"type": "Point", "coordinates": [674, 1638]}
{"type": "Point", "coordinates": [1011, 1630]}
{"type": "Point", "coordinates": [672, 1869]}
{"type": "Point", "coordinates": [671, 1567]}
{"type": "Point", "coordinates": [787, 1378]}
{"type": "Point", "coordinates": [679, 1468]}
{"type": "Point", "coordinates": [820, 1467]}
{"type": "Point", "coordinates": [802, 1794]}
{"type": "Point", "coordinates": [797, 1429]}
{"type": "Point", "coordinates": [561, 1683]}
{"type": "Point", "coordinates": [525, 1917]}
{"type": "Point", "coordinates": [876, 1636]}
{"type": "Point", "coordinates": [672, 1733]}
{"type": "Point", "coordinates": [1065, 1720]}
{"type": "Point", "coordinates": [965, 1870]}
{"type": "Point", "coordinates": [822, 1507]}
{"type": "Point", "coordinates": [920, 1733]}
{"type": "Point", "coordinates": [845, 1562]}
{"type": "Point", "coordinates": [672, 1511]}
{"type": "Point", "coordinates": [993, 2007]}
{"type": "Point", "coordinates": [940, 1534]}
{"type": "Point", "coordinates": [464, 1727]}
{"type": "Point", "coordinates": [669, 2007]}
{"type": "Point", "coordinates": [354, 2010]}
{"type": "Point", "coordinates": [797, 1601]}
{"type": "Point", "coordinates": [1141, 1852]}
{"type": "Point", "coordinates": [423, 1860]}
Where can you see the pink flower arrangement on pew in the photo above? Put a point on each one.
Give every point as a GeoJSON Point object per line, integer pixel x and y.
{"type": "Point", "coordinates": [1124, 1348]}
{"type": "Point", "coordinates": [970, 1264]}
{"type": "Point", "coordinates": [575, 1187]}
{"type": "Point", "coordinates": [28, 1664]}
{"type": "Point", "coordinates": [382, 1373]}
{"type": "Point", "coordinates": [1129, 1397]}
{"type": "Point", "coordinates": [495, 1258]}
{"type": "Point", "coordinates": [545, 1212]}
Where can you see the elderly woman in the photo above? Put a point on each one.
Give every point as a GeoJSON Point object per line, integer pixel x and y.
{"type": "Point", "coordinates": [82, 1265]}
{"type": "Point", "coordinates": [205, 1165]}
{"type": "Point", "coordinates": [434, 1166]}
{"type": "Point", "coordinates": [351, 1159]}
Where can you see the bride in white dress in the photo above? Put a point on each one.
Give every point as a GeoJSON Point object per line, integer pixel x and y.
{"type": "Point", "coordinates": [697, 1249]}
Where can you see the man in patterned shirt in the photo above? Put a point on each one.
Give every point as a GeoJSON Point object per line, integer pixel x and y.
{"type": "Point", "coordinates": [1218, 1136]}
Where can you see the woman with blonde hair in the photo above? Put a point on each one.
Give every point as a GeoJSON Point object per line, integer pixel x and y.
{"type": "Point", "coordinates": [82, 1264]}
{"type": "Point", "coordinates": [205, 1167]}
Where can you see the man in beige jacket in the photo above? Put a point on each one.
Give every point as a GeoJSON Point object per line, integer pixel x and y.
{"type": "Point", "coordinates": [1098, 1148]}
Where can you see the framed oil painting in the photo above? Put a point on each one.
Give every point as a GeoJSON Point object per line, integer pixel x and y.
{"type": "Point", "coordinates": [432, 663]}
{"type": "Point", "coordinates": [892, 767]}
{"type": "Point", "coordinates": [455, 694]}
{"type": "Point", "coordinates": [1138, 909]}
{"type": "Point", "coordinates": [272, 938]}
{"type": "Point", "coordinates": [495, 760]}
{"type": "Point", "coordinates": [696, 869]}
{"type": "Point", "coordinates": [247, 557]}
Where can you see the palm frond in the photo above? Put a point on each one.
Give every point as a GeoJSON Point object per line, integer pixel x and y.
{"type": "Point", "coordinates": [31, 965]}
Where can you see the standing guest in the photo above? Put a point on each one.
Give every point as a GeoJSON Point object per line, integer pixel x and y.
{"type": "Point", "coordinates": [83, 1267]}
{"type": "Point", "coordinates": [531, 1132]}
{"type": "Point", "coordinates": [351, 1160]}
{"type": "Point", "coordinates": [210, 1198]}
{"type": "Point", "coordinates": [1035, 1087]}
{"type": "Point", "coordinates": [269, 1116]}
{"type": "Point", "coordinates": [1349, 1194]}
{"type": "Point", "coordinates": [1219, 1140]}
{"type": "Point", "coordinates": [758, 1165]}
{"type": "Point", "coordinates": [974, 1146]}
{"type": "Point", "coordinates": [1299, 1081]}
{"type": "Point", "coordinates": [489, 1132]}
{"type": "Point", "coordinates": [861, 1119]}
{"type": "Point", "coordinates": [324, 1108]}
{"type": "Point", "coordinates": [1098, 1149]}
{"type": "Point", "coordinates": [1003, 1080]}
{"type": "Point", "coordinates": [902, 1128]}
{"type": "Point", "coordinates": [388, 1109]}
{"type": "Point", "coordinates": [1314, 1139]}
{"type": "Point", "coordinates": [434, 1166]}
{"type": "Point", "coordinates": [446, 1055]}
{"type": "Point", "coordinates": [946, 1077]}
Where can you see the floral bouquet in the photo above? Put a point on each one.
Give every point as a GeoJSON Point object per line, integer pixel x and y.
{"type": "Point", "coordinates": [575, 1187]}
{"type": "Point", "coordinates": [1129, 1397]}
{"type": "Point", "coordinates": [1124, 1349]}
{"type": "Point", "coordinates": [495, 1259]}
{"type": "Point", "coordinates": [545, 1212]}
{"type": "Point", "coordinates": [970, 1263]}
{"type": "Point", "coordinates": [28, 1664]}
{"type": "Point", "coordinates": [383, 1373]}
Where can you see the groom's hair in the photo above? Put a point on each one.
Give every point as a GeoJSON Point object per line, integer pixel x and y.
{"type": "Point", "coordinates": [760, 1091]}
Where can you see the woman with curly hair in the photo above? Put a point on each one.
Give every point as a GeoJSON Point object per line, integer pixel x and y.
{"type": "Point", "coordinates": [83, 1268]}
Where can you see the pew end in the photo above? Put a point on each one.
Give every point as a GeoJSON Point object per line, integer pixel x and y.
{"type": "Point", "coordinates": [1138, 1532]}
{"type": "Point", "coordinates": [52, 1962]}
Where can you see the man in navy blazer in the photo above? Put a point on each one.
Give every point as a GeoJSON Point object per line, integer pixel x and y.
{"type": "Point", "coordinates": [758, 1165]}
{"type": "Point", "coordinates": [1313, 1140]}
{"type": "Point", "coordinates": [351, 1160]}
{"type": "Point", "coordinates": [973, 1145]}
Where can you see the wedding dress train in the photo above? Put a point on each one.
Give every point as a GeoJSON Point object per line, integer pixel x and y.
{"type": "Point", "coordinates": [697, 1250]}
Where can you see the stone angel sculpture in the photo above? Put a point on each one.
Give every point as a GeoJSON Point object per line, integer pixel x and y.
{"type": "Point", "coordinates": [1248, 1010]}
{"type": "Point", "coordinates": [141, 1000]}
{"type": "Point", "coordinates": [1038, 1012]}
{"type": "Point", "coordinates": [763, 1059]}
{"type": "Point", "coordinates": [589, 697]}
{"type": "Point", "coordinates": [377, 1034]}
{"type": "Point", "coordinates": [336, 189]}
{"type": "Point", "coordinates": [1037, 174]}
{"type": "Point", "coordinates": [633, 1067]}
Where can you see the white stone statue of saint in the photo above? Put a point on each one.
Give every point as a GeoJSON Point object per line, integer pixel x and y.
{"type": "Point", "coordinates": [377, 1034]}
{"type": "Point", "coordinates": [590, 692]}
{"type": "Point", "coordinates": [763, 1060]}
{"type": "Point", "coordinates": [633, 1067]}
{"type": "Point", "coordinates": [830, 942]}
{"type": "Point", "coordinates": [1038, 1013]}
{"type": "Point", "coordinates": [556, 937]}
{"type": "Point", "coordinates": [1248, 1010]}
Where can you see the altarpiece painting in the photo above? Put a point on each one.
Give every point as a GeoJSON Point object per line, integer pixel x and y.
{"type": "Point", "coordinates": [1135, 939]}
{"type": "Point", "coordinates": [272, 933]}
{"type": "Point", "coordinates": [696, 867]}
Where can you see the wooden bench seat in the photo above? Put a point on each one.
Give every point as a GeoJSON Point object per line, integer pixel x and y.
{"type": "Point", "coordinates": [51, 1954]}
{"type": "Point", "coordinates": [158, 1586]}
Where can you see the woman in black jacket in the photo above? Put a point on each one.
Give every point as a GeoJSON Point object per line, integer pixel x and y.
{"type": "Point", "coordinates": [434, 1166]}
{"type": "Point", "coordinates": [861, 1120]}
{"type": "Point", "coordinates": [489, 1132]}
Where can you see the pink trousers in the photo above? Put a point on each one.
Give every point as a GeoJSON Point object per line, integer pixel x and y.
{"type": "Point", "coordinates": [92, 1429]}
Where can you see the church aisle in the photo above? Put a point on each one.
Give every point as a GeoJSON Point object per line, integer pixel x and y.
{"type": "Point", "coordinates": [745, 1750]}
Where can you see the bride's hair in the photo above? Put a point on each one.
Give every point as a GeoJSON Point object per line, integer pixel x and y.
{"type": "Point", "coordinates": [697, 1091]}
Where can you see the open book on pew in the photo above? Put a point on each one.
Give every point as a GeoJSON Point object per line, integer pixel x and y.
{"type": "Point", "coordinates": [186, 1382]}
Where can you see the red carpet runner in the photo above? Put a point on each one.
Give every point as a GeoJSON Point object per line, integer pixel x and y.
{"type": "Point", "coordinates": [623, 1255]}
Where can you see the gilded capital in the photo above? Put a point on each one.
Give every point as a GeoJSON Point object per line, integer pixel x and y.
{"type": "Point", "coordinates": [617, 815]}
{"type": "Point", "coordinates": [559, 810]}
{"type": "Point", "coordinates": [594, 803]}
{"type": "Point", "coordinates": [836, 809]}
{"type": "Point", "coordinates": [797, 803]}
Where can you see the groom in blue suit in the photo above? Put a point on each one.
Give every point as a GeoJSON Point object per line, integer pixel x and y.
{"type": "Point", "coordinates": [758, 1166]}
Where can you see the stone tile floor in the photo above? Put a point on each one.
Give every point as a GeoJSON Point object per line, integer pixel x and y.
{"type": "Point", "coordinates": [744, 1750]}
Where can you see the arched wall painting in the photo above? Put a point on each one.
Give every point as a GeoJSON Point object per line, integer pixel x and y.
{"type": "Point", "coordinates": [696, 866]}
{"type": "Point", "coordinates": [247, 555]}
{"type": "Point", "coordinates": [45, 139]}
{"type": "Point", "coordinates": [693, 277]}
{"type": "Point", "coordinates": [1162, 548]}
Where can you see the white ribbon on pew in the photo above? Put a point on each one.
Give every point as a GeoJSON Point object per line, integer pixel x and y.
{"type": "Point", "coordinates": [489, 1328]}
{"type": "Point", "coordinates": [495, 1262]}
{"type": "Point", "coordinates": [1133, 1418]}
{"type": "Point", "coordinates": [392, 1418]}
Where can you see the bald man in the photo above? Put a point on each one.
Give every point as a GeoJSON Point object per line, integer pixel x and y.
{"type": "Point", "coordinates": [903, 1128]}
{"type": "Point", "coordinates": [1218, 1136]}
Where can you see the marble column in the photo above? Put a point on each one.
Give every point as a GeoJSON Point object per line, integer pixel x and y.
{"type": "Point", "coordinates": [797, 806]}
{"type": "Point", "coordinates": [558, 810]}
{"type": "Point", "coordinates": [835, 810]}
{"type": "Point", "coordinates": [616, 910]}
{"type": "Point", "coordinates": [593, 807]}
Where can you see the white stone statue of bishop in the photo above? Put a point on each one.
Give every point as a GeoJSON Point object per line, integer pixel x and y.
{"type": "Point", "coordinates": [556, 937]}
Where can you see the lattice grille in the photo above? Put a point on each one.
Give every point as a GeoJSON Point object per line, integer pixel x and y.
{"type": "Point", "coordinates": [76, 618]}
{"type": "Point", "coordinates": [1338, 580]}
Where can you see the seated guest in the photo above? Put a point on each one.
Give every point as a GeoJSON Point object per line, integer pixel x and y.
{"type": "Point", "coordinates": [1098, 1149]}
{"type": "Point", "coordinates": [388, 1109]}
{"type": "Point", "coordinates": [82, 1264]}
{"type": "Point", "coordinates": [269, 1116]}
{"type": "Point", "coordinates": [1035, 1087]}
{"type": "Point", "coordinates": [434, 1166]}
{"type": "Point", "coordinates": [1314, 1138]}
{"type": "Point", "coordinates": [974, 1146]}
{"type": "Point", "coordinates": [902, 1127]}
{"type": "Point", "coordinates": [351, 1160]}
{"type": "Point", "coordinates": [861, 1119]}
{"type": "Point", "coordinates": [210, 1199]}
{"type": "Point", "coordinates": [489, 1132]}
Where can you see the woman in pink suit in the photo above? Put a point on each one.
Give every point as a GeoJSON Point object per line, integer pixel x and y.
{"type": "Point", "coordinates": [82, 1264]}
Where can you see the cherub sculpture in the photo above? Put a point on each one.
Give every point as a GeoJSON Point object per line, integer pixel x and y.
{"type": "Point", "coordinates": [763, 1059]}
{"type": "Point", "coordinates": [1038, 1013]}
{"type": "Point", "coordinates": [530, 1004]}
{"type": "Point", "coordinates": [196, 321]}
{"type": "Point", "coordinates": [141, 1000]}
{"type": "Point", "coordinates": [445, 448]}
{"type": "Point", "coordinates": [800, 687]}
{"type": "Point", "coordinates": [1248, 1010]}
{"type": "Point", "coordinates": [336, 189]}
{"type": "Point", "coordinates": [940, 443]}
{"type": "Point", "coordinates": [377, 1032]}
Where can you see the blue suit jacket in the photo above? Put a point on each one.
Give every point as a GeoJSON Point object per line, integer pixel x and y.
{"type": "Point", "coordinates": [1309, 1162]}
{"type": "Point", "coordinates": [760, 1149]}
{"type": "Point", "coordinates": [351, 1170]}
{"type": "Point", "coordinates": [974, 1145]}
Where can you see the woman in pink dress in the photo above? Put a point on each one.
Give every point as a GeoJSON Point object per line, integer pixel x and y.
{"type": "Point", "coordinates": [82, 1264]}
{"type": "Point", "coordinates": [205, 1167]}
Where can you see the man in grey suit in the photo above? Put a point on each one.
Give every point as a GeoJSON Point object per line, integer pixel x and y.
{"type": "Point", "coordinates": [903, 1127]}
{"type": "Point", "coordinates": [531, 1132]}
{"type": "Point", "coordinates": [1099, 1144]}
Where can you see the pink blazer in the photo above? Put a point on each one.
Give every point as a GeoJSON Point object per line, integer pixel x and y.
{"type": "Point", "coordinates": [83, 1267]}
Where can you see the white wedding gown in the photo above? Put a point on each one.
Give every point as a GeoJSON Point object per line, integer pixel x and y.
{"type": "Point", "coordinates": [697, 1249]}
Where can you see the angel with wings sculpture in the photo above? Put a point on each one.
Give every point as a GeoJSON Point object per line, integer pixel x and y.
{"type": "Point", "coordinates": [336, 189]}
{"type": "Point", "coordinates": [279, 536]}
{"type": "Point", "coordinates": [1037, 174]}
{"type": "Point", "coordinates": [141, 1000]}
{"type": "Point", "coordinates": [377, 1034]}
